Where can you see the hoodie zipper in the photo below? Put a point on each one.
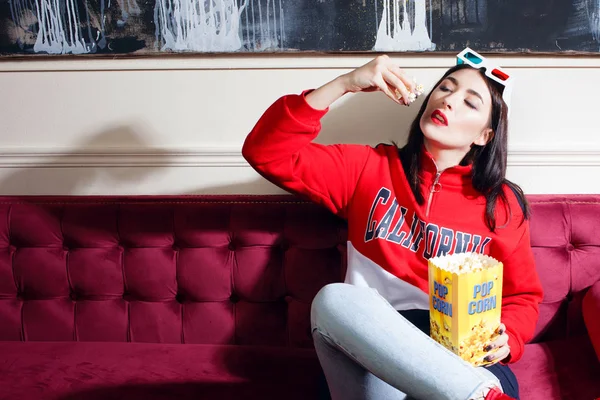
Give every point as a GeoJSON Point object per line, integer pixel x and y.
{"type": "Point", "coordinates": [435, 187]}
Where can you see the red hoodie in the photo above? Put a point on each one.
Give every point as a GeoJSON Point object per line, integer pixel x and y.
{"type": "Point", "coordinates": [391, 236]}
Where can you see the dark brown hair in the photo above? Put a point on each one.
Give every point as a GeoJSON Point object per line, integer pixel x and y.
{"type": "Point", "coordinates": [489, 161]}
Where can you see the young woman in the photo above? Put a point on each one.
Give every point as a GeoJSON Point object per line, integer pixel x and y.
{"type": "Point", "coordinates": [443, 192]}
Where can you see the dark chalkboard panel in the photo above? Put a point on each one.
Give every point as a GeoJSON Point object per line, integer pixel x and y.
{"type": "Point", "coordinates": [147, 27]}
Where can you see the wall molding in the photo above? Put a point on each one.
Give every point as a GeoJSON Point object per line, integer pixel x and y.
{"type": "Point", "coordinates": [53, 157]}
{"type": "Point", "coordinates": [528, 157]}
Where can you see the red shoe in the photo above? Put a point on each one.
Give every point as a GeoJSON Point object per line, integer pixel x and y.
{"type": "Point", "coordinates": [495, 394]}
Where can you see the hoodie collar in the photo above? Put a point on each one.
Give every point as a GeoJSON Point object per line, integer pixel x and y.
{"type": "Point", "coordinates": [458, 175]}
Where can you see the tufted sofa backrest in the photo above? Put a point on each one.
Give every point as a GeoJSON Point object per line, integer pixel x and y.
{"type": "Point", "coordinates": [565, 236]}
{"type": "Point", "coordinates": [215, 270]}
{"type": "Point", "coordinates": [222, 269]}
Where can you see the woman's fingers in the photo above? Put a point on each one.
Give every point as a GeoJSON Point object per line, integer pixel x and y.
{"type": "Point", "coordinates": [387, 89]}
{"type": "Point", "coordinates": [500, 341]}
{"type": "Point", "coordinates": [409, 83]}
{"type": "Point", "coordinates": [399, 88]}
{"type": "Point", "coordinates": [384, 75]}
{"type": "Point", "coordinates": [501, 329]}
{"type": "Point", "coordinates": [498, 348]}
{"type": "Point", "coordinates": [498, 355]}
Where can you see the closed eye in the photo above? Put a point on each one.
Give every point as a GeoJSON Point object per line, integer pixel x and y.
{"type": "Point", "coordinates": [471, 105]}
{"type": "Point", "coordinates": [444, 88]}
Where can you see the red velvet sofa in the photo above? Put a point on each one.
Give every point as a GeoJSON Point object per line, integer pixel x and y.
{"type": "Point", "coordinates": [208, 297]}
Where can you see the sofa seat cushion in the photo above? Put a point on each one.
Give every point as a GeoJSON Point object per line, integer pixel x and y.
{"type": "Point", "coordinates": [94, 370]}
{"type": "Point", "coordinates": [559, 370]}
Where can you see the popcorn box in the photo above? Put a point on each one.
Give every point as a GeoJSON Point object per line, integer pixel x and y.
{"type": "Point", "coordinates": [465, 299]}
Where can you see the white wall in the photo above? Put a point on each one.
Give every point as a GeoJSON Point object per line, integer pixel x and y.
{"type": "Point", "coordinates": [176, 125]}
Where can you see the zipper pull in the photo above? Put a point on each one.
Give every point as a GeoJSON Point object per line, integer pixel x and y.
{"type": "Point", "coordinates": [435, 187]}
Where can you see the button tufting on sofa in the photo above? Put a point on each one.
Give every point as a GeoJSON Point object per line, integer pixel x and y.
{"type": "Point", "coordinates": [218, 291]}
{"type": "Point", "coordinates": [284, 245]}
{"type": "Point", "coordinates": [234, 298]}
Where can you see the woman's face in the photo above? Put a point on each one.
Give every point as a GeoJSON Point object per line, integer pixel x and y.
{"type": "Point", "coordinates": [458, 113]}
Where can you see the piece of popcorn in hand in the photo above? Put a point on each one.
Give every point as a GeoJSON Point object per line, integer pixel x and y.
{"type": "Point", "coordinates": [419, 89]}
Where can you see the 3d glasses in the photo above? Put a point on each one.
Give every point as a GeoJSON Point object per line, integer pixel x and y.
{"type": "Point", "coordinates": [472, 58]}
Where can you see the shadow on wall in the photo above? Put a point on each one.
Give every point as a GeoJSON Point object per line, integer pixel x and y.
{"type": "Point", "coordinates": [350, 120]}
{"type": "Point", "coordinates": [357, 115]}
{"type": "Point", "coordinates": [72, 177]}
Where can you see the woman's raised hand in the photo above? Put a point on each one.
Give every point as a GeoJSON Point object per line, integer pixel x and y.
{"type": "Point", "coordinates": [382, 74]}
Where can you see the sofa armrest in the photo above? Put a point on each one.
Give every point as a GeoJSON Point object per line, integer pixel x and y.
{"type": "Point", "coordinates": [591, 315]}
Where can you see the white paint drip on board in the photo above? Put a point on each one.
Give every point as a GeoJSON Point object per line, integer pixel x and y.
{"type": "Point", "coordinates": [22, 13]}
{"type": "Point", "coordinates": [198, 25]}
{"type": "Point", "coordinates": [271, 27]}
{"type": "Point", "coordinates": [59, 28]}
{"type": "Point", "coordinates": [593, 13]}
{"type": "Point", "coordinates": [270, 32]}
{"type": "Point", "coordinates": [395, 33]}
{"type": "Point", "coordinates": [214, 25]}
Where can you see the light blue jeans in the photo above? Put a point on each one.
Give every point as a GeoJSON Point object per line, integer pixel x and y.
{"type": "Point", "coordinates": [369, 351]}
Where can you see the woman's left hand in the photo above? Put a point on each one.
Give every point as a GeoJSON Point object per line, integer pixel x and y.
{"type": "Point", "coordinates": [498, 349]}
